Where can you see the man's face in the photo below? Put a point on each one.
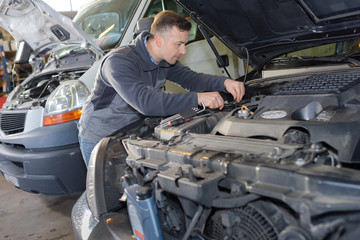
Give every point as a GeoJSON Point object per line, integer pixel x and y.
{"type": "Point", "coordinates": [173, 45]}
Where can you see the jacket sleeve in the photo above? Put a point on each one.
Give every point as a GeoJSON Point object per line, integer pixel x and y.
{"type": "Point", "coordinates": [194, 81]}
{"type": "Point", "coordinates": [124, 74]}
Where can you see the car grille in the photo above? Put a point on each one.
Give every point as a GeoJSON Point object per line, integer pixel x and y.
{"type": "Point", "coordinates": [12, 123]}
{"type": "Point", "coordinates": [322, 84]}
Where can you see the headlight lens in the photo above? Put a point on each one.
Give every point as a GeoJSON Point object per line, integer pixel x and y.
{"type": "Point", "coordinates": [94, 181]}
{"type": "Point", "coordinates": [65, 103]}
{"type": "Point", "coordinates": [103, 181]}
{"type": "Point", "coordinates": [14, 93]}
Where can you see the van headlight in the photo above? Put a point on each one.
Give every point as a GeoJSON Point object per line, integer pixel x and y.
{"type": "Point", "coordinates": [105, 169]}
{"type": "Point", "coordinates": [94, 179]}
{"type": "Point", "coordinates": [65, 102]}
{"type": "Point", "coordinates": [13, 93]}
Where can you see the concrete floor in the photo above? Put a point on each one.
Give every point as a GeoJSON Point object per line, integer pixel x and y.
{"type": "Point", "coordinates": [28, 216]}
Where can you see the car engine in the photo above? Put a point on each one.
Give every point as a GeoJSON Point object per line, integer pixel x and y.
{"type": "Point", "coordinates": [39, 88]}
{"type": "Point", "coordinates": [47, 76]}
{"type": "Point", "coordinates": [282, 164]}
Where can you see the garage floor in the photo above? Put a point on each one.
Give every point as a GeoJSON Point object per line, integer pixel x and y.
{"type": "Point", "coordinates": [27, 216]}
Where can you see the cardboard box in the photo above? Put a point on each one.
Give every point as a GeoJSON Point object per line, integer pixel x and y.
{"type": "Point", "coordinates": [13, 46]}
{"type": "Point", "coordinates": [6, 46]}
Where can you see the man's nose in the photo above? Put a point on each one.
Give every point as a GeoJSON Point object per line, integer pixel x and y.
{"type": "Point", "coordinates": [182, 49]}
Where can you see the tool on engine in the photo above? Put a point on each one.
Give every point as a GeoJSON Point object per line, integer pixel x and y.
{"type": "Point", "coordinates": [182, 117]}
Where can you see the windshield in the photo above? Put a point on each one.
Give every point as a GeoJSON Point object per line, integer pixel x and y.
{"type": "Point", "coordinates": [105, 21]}
{"type": "Point", "coordinates": [333, 9]}
{"type": "Point", "coordinates": [328, 54]}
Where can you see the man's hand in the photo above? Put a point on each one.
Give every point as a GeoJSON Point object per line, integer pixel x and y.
{"type": "Point", "coordinates": [211, 100]}
{"type": "Point", "coordinates": [235, 88]}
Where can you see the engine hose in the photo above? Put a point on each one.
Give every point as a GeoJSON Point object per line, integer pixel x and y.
{"type": "Point", "coordinates": [193, 222]}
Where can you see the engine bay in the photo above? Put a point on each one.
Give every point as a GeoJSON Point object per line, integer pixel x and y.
{"type": "Point", "coordinates": [35, 92]}
{"type": "Point", "coordinates": [283, 164]}
{"type": "Point", "coordinates": [312, 116]}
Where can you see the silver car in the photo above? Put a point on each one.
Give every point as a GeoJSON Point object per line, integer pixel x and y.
{"type": "Point", "coordinates": [282, 164]}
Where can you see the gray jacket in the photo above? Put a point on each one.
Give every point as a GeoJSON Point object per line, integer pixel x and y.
{"type": "Point", "coordinates": [129, 85]}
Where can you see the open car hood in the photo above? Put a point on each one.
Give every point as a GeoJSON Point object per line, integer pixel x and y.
{"type": "Point", "coordinates": [266, 29]}
{"type": "Point", "coordinates": [39, 25]}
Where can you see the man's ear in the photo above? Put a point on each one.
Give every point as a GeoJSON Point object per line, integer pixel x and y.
{"type": "Point", "coordinates": [159, 40]}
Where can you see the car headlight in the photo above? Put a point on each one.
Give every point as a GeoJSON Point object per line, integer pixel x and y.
{"type": "Point", "coordinates": [103, 179]}
{"type": "Point", "coordinates": [65, 102]}
{"type": "Point", "coordinates": [14, 93]}
{"type": "Point", "coordinates": [94, 179]}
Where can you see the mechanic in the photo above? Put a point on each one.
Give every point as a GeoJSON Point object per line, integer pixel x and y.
{"type": "Point", "coordinates": [129, 82]}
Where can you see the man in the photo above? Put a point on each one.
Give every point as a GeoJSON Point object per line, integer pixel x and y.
{"type": "Point", "coordinates": [129, 82]}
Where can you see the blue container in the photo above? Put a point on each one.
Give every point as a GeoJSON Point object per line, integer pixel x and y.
{"type": "Point", "coordinates": [143, 214]}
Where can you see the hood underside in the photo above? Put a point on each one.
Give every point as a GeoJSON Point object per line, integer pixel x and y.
{"type": "Point", "coordinates": [266, 29]}
{"type": "Point", "coordinates": [39, 25]}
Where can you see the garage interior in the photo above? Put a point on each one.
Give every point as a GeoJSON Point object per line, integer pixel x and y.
{"type": "Point", "coordinates": [287, 157]}
{"type": "Point", "coordinates": [10, 73]}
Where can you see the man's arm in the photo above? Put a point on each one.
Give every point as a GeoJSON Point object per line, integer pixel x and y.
{"type": "Point", "coordinates": [213, 100]}
{"type": "Point", "coordinates": [195, 81]}
{"type": "Point", "coordinates": [125, 76]}
{"type": "Point", "coordinates": [235, 88]}
{"type": "Point", "coordinates": [205, 85]}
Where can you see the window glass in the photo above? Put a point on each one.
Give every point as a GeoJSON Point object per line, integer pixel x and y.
{"type": "Point", "coordinates": [339, 49]}
{"type": "Point", "coordinates": [333, 9]}
{"type": "Point", "coordinates": [160, 5]}
{"type": "Point", "coordinates": [105, 21]}
{"type": "Point", "coordinates": [327, 54]}
{"type": "Point", "coordinates": [96, 25]}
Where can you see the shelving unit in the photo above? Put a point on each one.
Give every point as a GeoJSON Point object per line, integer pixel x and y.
{"type": "Point", "coordinates": [6, 69]}
{"type": "Point", "coordinates": [17, 72]}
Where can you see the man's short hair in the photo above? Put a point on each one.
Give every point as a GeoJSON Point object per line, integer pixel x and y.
{"type": "Point", "coordinates": [165, 20]}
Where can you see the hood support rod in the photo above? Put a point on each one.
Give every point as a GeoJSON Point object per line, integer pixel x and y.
{"type": "Point", "coordinates": [219, 59]}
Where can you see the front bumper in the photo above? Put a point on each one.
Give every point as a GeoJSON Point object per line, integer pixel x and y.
{"type": "Point", "coordinates": [111, 226]}
{"type": "Point", "coordinates": [44, 160]}
{"type": "Point", "coordinates": [51, 171]}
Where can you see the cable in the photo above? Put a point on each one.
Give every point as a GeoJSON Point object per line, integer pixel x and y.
{"type": "Point", "coordinates": [247, 65]}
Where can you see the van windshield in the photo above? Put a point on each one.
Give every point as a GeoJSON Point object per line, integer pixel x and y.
{"type": "Point", "coordinates": [104, 21]}
{"type": "Point", "coordinates": [346, 52]}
